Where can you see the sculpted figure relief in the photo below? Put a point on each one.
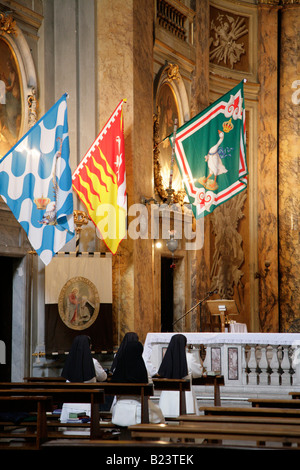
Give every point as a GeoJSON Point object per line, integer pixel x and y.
{"type": "Point", "coordinates": [223, 42]}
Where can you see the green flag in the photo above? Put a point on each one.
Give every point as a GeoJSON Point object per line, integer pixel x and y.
{"type": "Point", "coordinates": [210, 151]}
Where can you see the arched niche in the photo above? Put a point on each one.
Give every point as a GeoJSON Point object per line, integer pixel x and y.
{"type": "Point", "coordinates": [16, 64]}
{"type": "Point", "coordinates": [170, 102]}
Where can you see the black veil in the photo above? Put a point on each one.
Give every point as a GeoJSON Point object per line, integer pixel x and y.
{"type": "Point", "coordinates": [129, 336]}
{"type": "Point", "coordinates": [174, 363]}
{"type": "Point", "coordinates": [131, 367]}
{"type": "Point", "coordinates": [79, 366]}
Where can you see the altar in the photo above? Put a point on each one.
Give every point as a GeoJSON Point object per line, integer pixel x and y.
{"type": "Point", "coordinates": [255, 361]}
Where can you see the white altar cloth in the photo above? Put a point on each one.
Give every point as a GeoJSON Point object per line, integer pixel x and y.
{"type": "Point", "coordinates": [238, 328]}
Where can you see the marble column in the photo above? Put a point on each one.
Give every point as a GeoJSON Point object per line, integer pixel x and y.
{"type": "Point", "coordinates": [289, 158]}
{"type": "Point", "coordinates": [125, 70]}
{"type": "Point", "coordinates": [267, 242]}
{"type": "Point", "coordinates": [200, 259]}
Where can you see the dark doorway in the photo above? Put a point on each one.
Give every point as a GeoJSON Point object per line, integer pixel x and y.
{"type": "Point", "coordinates": [166, 295]}
{"type": "Point", "coordinates": [6, 282]}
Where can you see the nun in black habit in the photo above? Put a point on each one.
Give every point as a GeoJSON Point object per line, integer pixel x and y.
{"type": "Point", "coordinates": [80, 366]}
{"type": "Point", "coordinates": [175, 366]}
{"type": "Point", "coordinates": [174, 363]}
{"type": "Point", "coordinates": [131, 368]}
{"type": "Point", "coordinates": [128, 337]}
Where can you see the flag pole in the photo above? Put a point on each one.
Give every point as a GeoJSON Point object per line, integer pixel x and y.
{"type": "Point", "coordinates": [80, 218]}
{"type": "Point", "coordinates": [170, 190]}
{"type": "Point", "coordinates": [158, 143]}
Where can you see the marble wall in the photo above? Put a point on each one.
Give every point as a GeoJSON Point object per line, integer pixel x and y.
{"type": "Point", "coordinates": [270, 228]}
{"type": "Point", "coordinates": [289, 158]}
{"type": "Point", "coordinates": [124, 70]}
{"type": "Point", "coordinates": [232, 239]}
{"type": "Point", "coordinates": [200, 282]}
{"type": "Point", "coordinates": [267, 197]}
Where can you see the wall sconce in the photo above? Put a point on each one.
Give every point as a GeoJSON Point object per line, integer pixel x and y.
{"type": "Point", "coordinates": [259, 275]}
{"type": "Point", "coordinates": [80, 218]}
{"type": "Point", "coordinates": [37, 355]}
{"type": "Point", "coordinates": [145, 200]}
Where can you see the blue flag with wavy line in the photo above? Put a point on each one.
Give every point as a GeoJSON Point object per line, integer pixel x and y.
{"type": "Point", "coordinates": [36, 182]}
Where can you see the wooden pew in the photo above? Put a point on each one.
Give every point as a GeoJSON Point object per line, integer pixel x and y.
{"type": "Point", "coordinates": [38, 404]}
{"type": "Point", "coordinates": [295, 395]}
{"type": "Point", "coordinates": [274, 403]}
{"type": "Point", "coordinates": [244, 415]}
{"type": "Point", "coordinates": [143, 390]}
{"type": "Point", "coordinates": [243, 418]}
{"type": "Point", "coordinates": [45, 379]}
{"type": "Point", "coordinates": [215, 380]}
{"type": "Point", "coordinates": [247, 411]}
{"type": "Point", "coordinates": [91, 395]}
{"type": "Point", "coordinates": [179, 385]}
{"type": "Point", "coordinates": [257, 432]}
{"type": "Point", "coordinates": [183, 385]}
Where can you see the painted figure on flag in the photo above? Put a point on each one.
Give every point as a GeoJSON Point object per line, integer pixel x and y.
{"type": "Point", "coordinates": [49, 217]}
{"type": "Point", "coordinates": [100, 181]}
{"type": "Point", "coordinates": [210, 150]}
{"type": "Point", "coordinates": [215, 165]}
{"type": "Point", "coordinates": [36, 182]}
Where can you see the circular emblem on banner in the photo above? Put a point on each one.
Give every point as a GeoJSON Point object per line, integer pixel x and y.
{"type": "Point", "coordinates": [78, 303]}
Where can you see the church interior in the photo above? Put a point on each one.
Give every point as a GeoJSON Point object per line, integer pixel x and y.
{"type": "Point", "coordinates": [167, 60]}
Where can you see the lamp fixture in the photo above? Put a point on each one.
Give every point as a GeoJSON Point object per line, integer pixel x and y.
{"type": "Point", "coordinates": [261, 275]}
{"type": "Point", "coordinates": [172, 245]}
{"type": "Point", "coordinates": [145, 200]}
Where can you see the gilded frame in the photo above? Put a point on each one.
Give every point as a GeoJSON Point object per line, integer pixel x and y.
{"type": "Point", "coordinates": [168, 107]}
{"type": "Point", "coordinates": [13, 45]}
{"type": "Point", "coordinates": [11, 98]}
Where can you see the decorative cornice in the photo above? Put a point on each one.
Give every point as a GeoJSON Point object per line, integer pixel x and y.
{"type": "Point", "coordinates": [21, 14]}
{"type": "Point", "coordinates": [278, 2]}
{"type": "Point", "coordinates": [269, 2]}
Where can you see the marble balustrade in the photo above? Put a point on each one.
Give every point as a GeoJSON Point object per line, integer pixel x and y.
{"type": "Point", "coordinates": [250, 362]}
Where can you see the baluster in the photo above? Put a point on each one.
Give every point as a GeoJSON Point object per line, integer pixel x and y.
{"type": "Point", "coordinates": [258, 355]}
{"type": "Point", "coordinates": [274, 366]}
{"type": "Point", "coordinates": [246, 351]}
{"type": "Point", "coordinates": [252, 365]}
{"type": "Point", "coordinates": [269, 356]}
{"type": "Point", "coordinates": [203, 357]}
{"type": "Point", "coordinates": [291, 369]}
{"type": "Point", "coordinates": [263, 366]}
{"type": "Point", "coordinates": [280, 358]}
{"type": "Point", "coordinates": [285, 366]}
{"type": "Point", "coordinates": [296, 362]}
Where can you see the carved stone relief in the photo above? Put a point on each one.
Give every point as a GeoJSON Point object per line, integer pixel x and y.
{"type": "Point", "coordinates": [228, 254]}
{"type": "Point", "coordinates": [228, 39]}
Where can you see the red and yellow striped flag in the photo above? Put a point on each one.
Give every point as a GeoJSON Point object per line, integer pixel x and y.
{"type": "Point", "coordinates": [100, 181]}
